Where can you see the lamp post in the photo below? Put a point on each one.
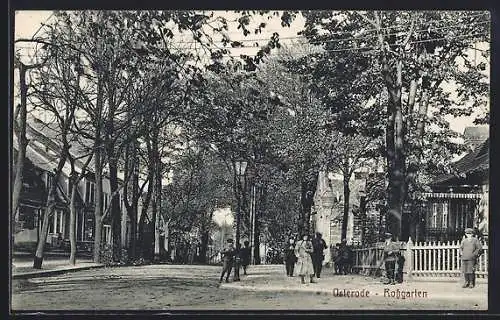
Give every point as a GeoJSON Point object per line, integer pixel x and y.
{"type": "Point", "coordinates": [239, 168]}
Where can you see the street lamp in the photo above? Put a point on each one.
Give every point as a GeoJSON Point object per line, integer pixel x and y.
{"type": "Point", "coordinates": [239, 168]}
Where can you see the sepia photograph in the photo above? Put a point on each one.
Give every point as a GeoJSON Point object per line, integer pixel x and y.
{"type": "Point", "coordinates": [239, 160]}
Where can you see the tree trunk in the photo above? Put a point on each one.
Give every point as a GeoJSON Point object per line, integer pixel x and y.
{"type": "Point", "coordinates": [144, 212]}
{"type": "Point", "coordinates": [49, 211]}
{"type": "Point", "coordinates": [131, 195]}
{"type": "Point", "coordinates": [133, 231]}
{"type": "Point", "coordinates": [116, 216]}
{"type": "Point", "coordinates": [262, 194]}
{"type": "Point", "coordinates": [98, 204]}
{"type": "Point", "coordinates": [72, 225]}
{"type": "Point", "coordinates": [98, 168]}
{"type": "Point", "coordinates": [22, 142]}
{"type": "Point", "coordinates": [396, 166]}
{"type": "Point", "coordinates": [204, 246]}
{"type": "Point", "coordinates": [157, 193]}
{"type": "Point", "coordinates": [347, 194]}
{"type": "Point", "coordinates": [395, 149]}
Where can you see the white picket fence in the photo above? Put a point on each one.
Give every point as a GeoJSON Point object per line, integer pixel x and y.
{"type": "Point", "coordinates": [422, 259]}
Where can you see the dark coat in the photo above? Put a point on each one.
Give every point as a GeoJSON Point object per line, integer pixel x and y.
{"type": "Point", "coordinates": [228, 254]}
{"type": "Point", "coordinates": [345, 253]}
{"type": "Point", "coordinates": [290, 256]}
{"type": "Point", "coordinates": [245, 256]}
{"type": "Point", "coordinates": [318, 246]}
{"type": "Point", "coordinates": [470, 248]}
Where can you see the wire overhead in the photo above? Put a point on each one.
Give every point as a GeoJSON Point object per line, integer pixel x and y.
{"type": "Point", "coordinates": [360, 48]}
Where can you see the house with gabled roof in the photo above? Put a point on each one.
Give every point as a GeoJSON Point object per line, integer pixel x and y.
{"type": "Point", "coordinates": [459, 199]}
{"type": "Point", "coordinates": [41, 159]}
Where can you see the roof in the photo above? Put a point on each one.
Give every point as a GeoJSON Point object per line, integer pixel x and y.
{"type": "Point", "coordinates": [49, 134]}
{"type": "Point", "coordinates": [477, 160]}
{"type": "Point", "coordinates": [477, 132]}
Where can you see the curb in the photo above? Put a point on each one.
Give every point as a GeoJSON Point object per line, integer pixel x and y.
{"type": "Point", "coordinates": [39, 274]}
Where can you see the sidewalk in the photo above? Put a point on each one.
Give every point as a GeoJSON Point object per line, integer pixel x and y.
{"type": "Point", "coordinates": [23, 267]}
{"type": "Point", "coordinates": [273, 279]}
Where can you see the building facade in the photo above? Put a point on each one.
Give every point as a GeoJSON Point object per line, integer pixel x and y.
{"type": "Point", "coordinates": [38, 174]}
{"type": "Point", "coordinates": [460, 199]}
{"type": "Point", "coordinates": [328, 208]}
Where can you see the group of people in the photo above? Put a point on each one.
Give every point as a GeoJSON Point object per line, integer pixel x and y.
{"type": "Point", "coordinates": [341, 257]}
{"type": "Point", "coordinates": [307, 255]}
{"type": "Point", "coordinates": [234, 257]}
{"type": "Point", "coordinates": [470, 251]}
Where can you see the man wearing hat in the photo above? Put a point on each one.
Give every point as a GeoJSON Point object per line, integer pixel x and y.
{"type": "Point", "coordinates": [470, 247]}
{"type": "Point", "coordinates": [227, 259]}
{"type": "Point", "coordinates": [391, 251]}
{"type": "Point", "coordinates": [290, 257]}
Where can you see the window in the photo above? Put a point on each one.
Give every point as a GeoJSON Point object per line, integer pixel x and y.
{"type": "Point", "coordinates": [57, 225]}
{"type": "Point", "coordinates": [121, 201]}
{"type": "Point", "coordinates": [89, 191]}
{"type": "Point", "coordinates": [27, 217]}
{"type": "Point", "coordinates": [105, 200]}
{"type": "Point", "coordinates": [106, 233]}
{"type": "Point", "coordinates": [444, 222]}
{"type": "Point", "coordinates": [434, 215]}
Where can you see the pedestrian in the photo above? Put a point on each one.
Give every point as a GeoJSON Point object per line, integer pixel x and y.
{"type": "Point", "coordinates": [345, 259]}
{"type": "Point", "coordinates": [470, 249]}
{"type": "Point", "coordinates": [290, 257]}
{"type": "Point", "coordinates": [391, 251]}
{"type": "Point", "coordinates": [303, 250]}
{"type": "Point", "coordinates": [245, 256]}
{"type": "Point", "coordinates": [336, 258]}
{"type": "Point", "coordinates": [318, 255]}
{"type": "Point", "coordinates": [227, 253]}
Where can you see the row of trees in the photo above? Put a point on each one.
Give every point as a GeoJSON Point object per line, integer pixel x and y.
{"type": "Point", "coordinates": [361, 86]}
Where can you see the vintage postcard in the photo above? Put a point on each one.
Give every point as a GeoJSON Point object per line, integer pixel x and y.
{"type": "Point", "coordinates": [327, 160]}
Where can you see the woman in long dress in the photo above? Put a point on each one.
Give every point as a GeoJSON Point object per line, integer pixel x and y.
{"type": "Point", "coordinates": [303, 250]}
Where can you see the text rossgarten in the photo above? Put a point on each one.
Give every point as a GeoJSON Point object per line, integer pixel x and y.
{"type": "Point", "coordinates": [402, 294]}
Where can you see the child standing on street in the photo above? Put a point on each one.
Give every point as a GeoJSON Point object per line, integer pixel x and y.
{"type": "Point", "coordinates": [290, 257]}
{"type": "Point", "coordinates": [469, 252]}
{"type": "Point", "coordinates": [227, 260]}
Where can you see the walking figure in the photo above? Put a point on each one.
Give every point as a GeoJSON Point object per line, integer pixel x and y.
{"type": "Point", "coordinates": [391, 251]}
{"type": "Point", "coordinates": [345, 258]}
{"type": "Point", "coordinates": [290, 258]}
{"type": "Point", "coordinates": [303, 250]}
{"type": "Point", "coordinates": [336, 258]}
{"type": "Point", "coordinates": [470, 249]}
{"type": "Point", "coordinates": [318, 255]}
{"type": "Point", "coordinates": [227, 259]}
{"type": "Point", "coordinates": [245, 256]}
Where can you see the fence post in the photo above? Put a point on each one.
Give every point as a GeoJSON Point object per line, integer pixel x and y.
{"type": "Point", "coordinates": [408, 266]}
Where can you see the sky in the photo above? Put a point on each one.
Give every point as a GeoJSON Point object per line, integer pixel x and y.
{"type": "Point", "coordinates": [28, 22]}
